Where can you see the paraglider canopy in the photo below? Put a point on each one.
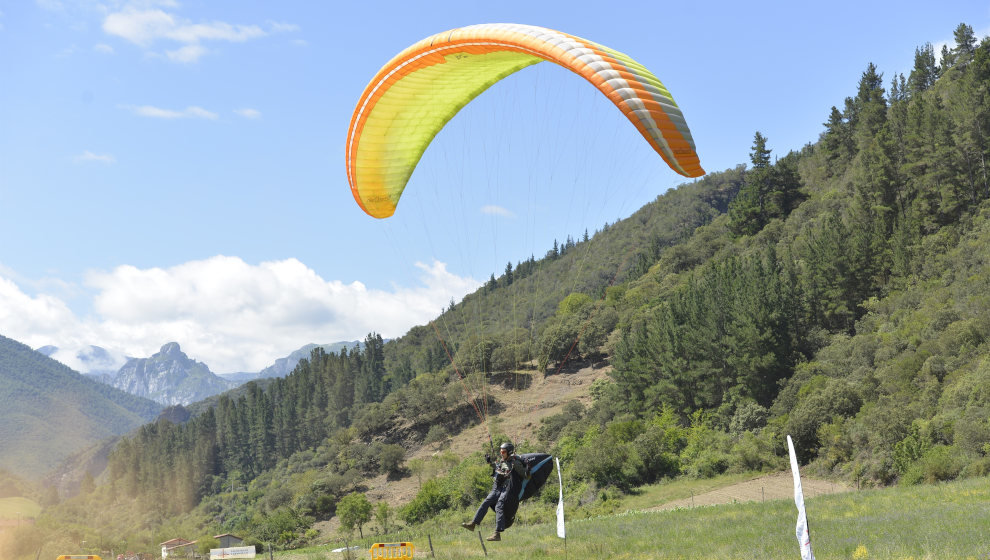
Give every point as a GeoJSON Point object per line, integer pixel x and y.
{"type": "Point", "coordinates": [416, 93]}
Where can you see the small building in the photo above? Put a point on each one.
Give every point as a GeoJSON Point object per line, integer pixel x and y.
{"type": "Point", "coordinates": [227, 540]}
{"type": "Point", "coordinates": [177, 548]}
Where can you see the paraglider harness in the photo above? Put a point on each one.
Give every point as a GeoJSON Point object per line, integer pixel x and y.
{"type": "Point", "coordinates": [536, 466]}
{"type": "Point", "coordinates": [503, 470]}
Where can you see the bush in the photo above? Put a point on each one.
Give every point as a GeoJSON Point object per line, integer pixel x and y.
{"type": "Point", "coordinates": [431, 500]}
{"type": "Point", "coordinates": [749, 416]}
{"type": "Point", "coordinates": [275, 498]}
{"type": "Point", "coordinates": [838, 398]}
{"type": "Point", "coordinates": [752, 453]}
{"type": "Point", "coordinates": [390, 457]}
{"type": "Point", "coordinates": [603, 460]}
{"type": "Point", "coordinates": [709, 464]}
{"type": "Point", "coordinates": [658, 453]}
{"type": "Point", "coordinates": [706, 453]}
{"type": "Point", "coordinates": [938, 464]}
{"type": "Point", "coordinates": [280, 527]}
{"type": "Point", "coordinates": [436, 434]}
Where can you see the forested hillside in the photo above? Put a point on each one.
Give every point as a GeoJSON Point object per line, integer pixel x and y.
{"type": "Point", "coordinates": [837, 293]}
{"type": "Point", "coordinates": [48, 411]}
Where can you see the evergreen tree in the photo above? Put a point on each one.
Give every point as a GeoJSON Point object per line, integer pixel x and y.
{"type": "Point", "coordinates": [965, 44]}
{"type": "Point", "coordinates": [870, 104]}
{"type": "Point", "coordinates": [753, 206]}
{"type": "Point", "coordinates": [925, 70]}
{"type": "Point", "coordinates": [836, 141]}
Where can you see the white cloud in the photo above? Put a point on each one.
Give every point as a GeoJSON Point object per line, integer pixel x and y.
{"type": "Point", "coordinates": [103, 48]}
{"type": "Point", "coordinates": [50, 5]}
{"type": "Point", "coordinates": [232, 315]}
{"type": "Point", "coordinates": [144, 26]}
{"type": "Point", "coordinates": [249, 113]}
{"type": "Point", "coordinates": [216, 31]}
{"type": "Point", "coordinates": [188, 53]}
{"type": "Point", "coordinates": [141, 27]}
{"type": "Point", "coordinates": [88, 156]}
{"type": "Point", "coordinates": [159, 113]}
{"type": "Point", "coordinates": [67, 51]}
{"type": "Point", "coordinates": [493, 210]}
{"type": "Point", "coordinates": [279, 27]}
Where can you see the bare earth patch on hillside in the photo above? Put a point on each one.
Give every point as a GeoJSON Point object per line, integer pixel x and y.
{"type": "Point", "coordinates": [776, 486]}
{"type": "Point", "coordinates": [520, 419]}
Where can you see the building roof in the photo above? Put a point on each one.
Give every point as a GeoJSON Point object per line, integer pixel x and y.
{"type": "Point", "coordinates": [226, 535]}
{"type": "Point", "coordinates": [173, 543]}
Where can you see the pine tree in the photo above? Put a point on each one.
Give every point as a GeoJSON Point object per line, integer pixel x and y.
{"type": "Point", "coordinates": [751, 208]}
{"type": "Point", "coordinates": [965, 44]}
{"type": "Point", "coordinates": [925, 70]}
{"type": "Point", "coordinates": [870, 106]}
{"type": "Point", "coordinates": [837, 141]}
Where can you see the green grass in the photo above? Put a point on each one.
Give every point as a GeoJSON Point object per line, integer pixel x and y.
{"type": "Point", "coordinates": [9, 508]}
{"type": "Point", "coordinates": [677, 489]}
{"type": "Point", "coordinates": [922, 522]}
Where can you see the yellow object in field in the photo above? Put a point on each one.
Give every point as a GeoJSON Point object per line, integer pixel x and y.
{"type": "Point", "coordinates": [78, 557]}
{"type": "Point", "coordinates": [397, 550]}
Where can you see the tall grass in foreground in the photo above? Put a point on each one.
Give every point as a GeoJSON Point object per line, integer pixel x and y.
{"type": "Point", "coordinates": [922, 522]}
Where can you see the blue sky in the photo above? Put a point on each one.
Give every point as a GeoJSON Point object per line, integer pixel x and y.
{"type": "Point", "coordinates": [173, 171]}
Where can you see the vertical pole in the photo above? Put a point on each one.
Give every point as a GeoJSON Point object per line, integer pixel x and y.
{"type": "Point", "coordinates": [482, 541]}
{"type": "Point", "coordinates": [430, 539]}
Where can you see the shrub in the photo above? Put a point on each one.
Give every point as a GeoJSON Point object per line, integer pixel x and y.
{"type": "Point", "coordinates": [390, 457]}
{"type": "Point", "coordinates": [837, 398]}
{"type": "Point", "coordinates": [752, 453]}
{"type": "Point", "coordinates": [658, 452]}
{"type": "Point", "coordinates": [939, 463]}
{"type": "Point", "coordinates": [749, 416]}
{"type": "Point", "coordinates": [603, 460]}
{"type": "Point", "coordinates": [431, 500]}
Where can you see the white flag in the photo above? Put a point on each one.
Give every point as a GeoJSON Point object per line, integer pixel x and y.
{"type": "Point", "coordinates": [803, 534]}
{"type": "Point", "coordinates": [560, 504]}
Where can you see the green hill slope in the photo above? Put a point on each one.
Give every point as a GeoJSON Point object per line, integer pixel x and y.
{"type": "Point", "coordinates": [48, 411]}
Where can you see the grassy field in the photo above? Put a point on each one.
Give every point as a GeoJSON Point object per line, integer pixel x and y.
{"type": "Point", "coordinates": [923, 522]}
{"type": "Point", "coordinates": [12, 508]}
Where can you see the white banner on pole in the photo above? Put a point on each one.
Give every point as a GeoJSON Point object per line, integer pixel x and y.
{"type": "Point", "coordinates": [802, 531]}
{"type": "Point", "coordinates": [560, 504]}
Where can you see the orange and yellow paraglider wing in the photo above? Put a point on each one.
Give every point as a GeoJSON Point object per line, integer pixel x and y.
{"type": "Point", "coordinates": [413, 96]}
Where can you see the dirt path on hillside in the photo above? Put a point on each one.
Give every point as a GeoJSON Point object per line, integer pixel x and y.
{"type": "Point", "coordinates": [776, 486]}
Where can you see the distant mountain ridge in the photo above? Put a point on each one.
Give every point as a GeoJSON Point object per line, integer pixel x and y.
{"type": "Point", "coordinates": [284, 366]}
{"type": "Point", "coordinates": [48, 411]}
{"type": "Point", "coordinates": [170, 377]}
